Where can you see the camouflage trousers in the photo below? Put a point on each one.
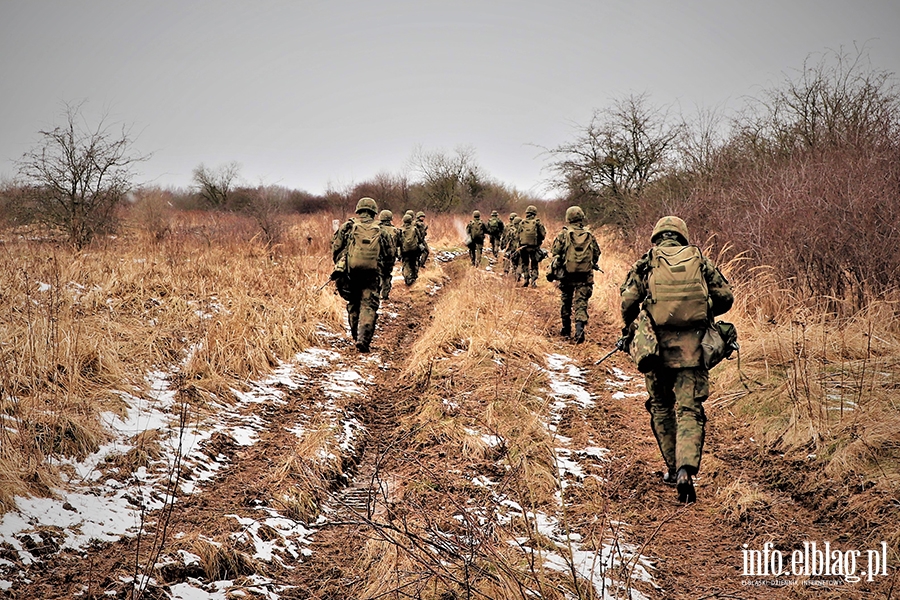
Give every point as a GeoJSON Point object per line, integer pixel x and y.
{"type": "Point", "coordinates": [574, 295]}
{"type": "Point", "coordinates": [676, 414]}
{"type": "Point", "coordinates": [387, 283]}
{"type": "Point", "coordinates": [410, 267]}
{"type": "Point", "coordinates": [475, 251]}
{"type": "Point", "coordinates": [363, 300]}
{"type": "Point", "coordinates": [495, 242]}
{"type": "Point", "coordinates": [528, 255]}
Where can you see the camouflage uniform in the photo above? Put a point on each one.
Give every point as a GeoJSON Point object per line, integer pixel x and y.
{"type": "Point", "coordinates": [476, 230]}
{"type": "Point", "coordinates": [362, 288]}
{"type": "Point", "coordinates": [680, 385]}
{"type": "Point", "coordinates": [423, 227]}
{"type": "Point", "coordinates": [410, 259]}
{"type": "Point", "coordinates": [512, 249]}
{"type": "Point", "coordinates": [575, 288]}
{"type": "Point", "coordinates": [508, 232]}
{"type": "Point", "coordinates": [387, 274]}
{"type": "Point", "coordinates": [529, 254]}
{"type": "Point", "coordinates": [495, 230]}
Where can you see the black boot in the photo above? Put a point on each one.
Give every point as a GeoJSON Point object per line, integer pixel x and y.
{"type": "Point", "coordinates": [670, 476]}
{"type": "Point", "coordinates": [566, 330]}
{"type": "Point", "coordinates": [685, 486]}
{"type": "Point", "coordinates": [579, 331]}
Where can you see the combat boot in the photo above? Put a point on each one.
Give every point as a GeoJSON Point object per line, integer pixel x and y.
{"type": "Point", "coordinates": [579, 331]}
{"type": "Point", "coordinates": [566, 330]}
{"type": "Point", "coordinates": [670, 476]}
{"type": "Point", "coordinates": [685, 486]}
{"type": "Point", "coordinates": [525, 281]}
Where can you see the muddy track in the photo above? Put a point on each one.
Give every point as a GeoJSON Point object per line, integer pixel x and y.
{"type": "Point", "coordinates": [698, 547]}
{"type": "Point", "coordinates": [244, 487]}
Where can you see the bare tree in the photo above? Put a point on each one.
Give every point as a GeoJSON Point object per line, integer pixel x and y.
{"type": "Point", "coordinates": [214, 185]}
{"type": "Point", "coordinates": [78, 175]}
{"type": "Point", "coordinates": [446, 179]}
{"type": "Point", "coordinates": [622, 150]}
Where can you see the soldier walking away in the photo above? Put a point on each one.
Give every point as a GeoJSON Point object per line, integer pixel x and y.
{"type": "Point", "coordinates": [575, 255]}
{"type": "Point", "coordinates": [475, 232]}
{"type": "Point", "coordinates": [531, 237]}
{"type": "Point", "coordinates": [385, 219]}
{"type": "Point", "coordinates": [495, 229]}
{"type": "Point", "coordinates": [508, 231]}
{"type": "Point", "coordinates": [423, 227]}
{"type": "Point", "coordinates": [360, 249]}
{"type": "Point", "coordinates": [411, 246]}
{"type": "Point", "coordinates": [682, 291]}
{"type": "Point", "coordinates": [512, 249]}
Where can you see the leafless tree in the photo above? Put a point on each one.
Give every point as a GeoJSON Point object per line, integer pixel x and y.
{"type": "Point", "coordinates": [622, 150]}
{"type": "Point", "coordinates": [77, 175]}
{"type": "Point", "coordinates": [447, 180]}
{"type": "Point", "coordinates": [214, 185]}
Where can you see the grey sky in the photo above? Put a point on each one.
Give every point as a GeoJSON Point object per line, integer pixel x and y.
{"type": "Point", "coordinates": [310, 94]}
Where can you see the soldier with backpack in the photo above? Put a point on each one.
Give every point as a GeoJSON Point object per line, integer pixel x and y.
{"type": "Point", "coordinates": [575, 255]}
{"type": "Point", "coordinates": [385, 221]}
{"type": "Point", "coordinates": [508, 231]}
{"type": "Point", "coordinates": [531, 233]}
{"type": "Point", "coordinates": [360, 250]}
{"type": "Point", "coordinates": [475, 232]}
{"type": "Point", "coordinates": [679, 291]}
{"type": "Point", "coordinates": [495, 229]}
{"type": "Point", "coordinates": [423, 228]}
{"type": "Point", "coordinates": [411, 244]}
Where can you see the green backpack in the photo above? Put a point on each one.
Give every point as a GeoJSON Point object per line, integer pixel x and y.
{"type": "Point", "coordinates": [677, 292]}
{"type": "Point", "coordinates": [364, 246]}
{"type": "Point", "coordinates": [494, 225]}
{"type": "Point", "coordinates": [528, 232]}
{"type": "Point", "coordinates": [578, 251]}
{"type": "Point", "coordinates": [409, 239]}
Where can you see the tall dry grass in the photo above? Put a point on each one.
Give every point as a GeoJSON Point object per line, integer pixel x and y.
{"type": "Point", "coordinates": [206, 302]}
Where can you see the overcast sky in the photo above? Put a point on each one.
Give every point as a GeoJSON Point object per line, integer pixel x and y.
{"type": "Point", "coordinates": [311, 94]}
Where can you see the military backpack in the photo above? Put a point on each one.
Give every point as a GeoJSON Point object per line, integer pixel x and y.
{"type": "Point", "coordinates": [528, 232]}
{"type": "Point", "coordinates": [579, 258]}
{"type": "Point", "coordinates": [364, 246]}
{"type": "Point", "coordinates": [409, 239]}
{"type": "Point", "coordinates": [494, 225]}
{"type": "Point", "coordinates": [477, 230]}
{"type": "Point", "coordinates": [678, 296]}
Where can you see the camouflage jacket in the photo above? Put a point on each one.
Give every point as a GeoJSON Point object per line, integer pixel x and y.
{"type": "Point", "coordinates": [541, 231]}
{"type": "Point", "coordinates": [558, 252]}
{"type": "Point", "coordinates": [394, 235]}
{"type": "Point", "coordinates": [476, 229]}
{"type": "Point", "coordinates": [679, 348]}
{"type": "Point", "coordinates": [342, 238]}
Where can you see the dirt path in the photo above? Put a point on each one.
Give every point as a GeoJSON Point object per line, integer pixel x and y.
{"type": "Point", "coordinates": [696, 549]}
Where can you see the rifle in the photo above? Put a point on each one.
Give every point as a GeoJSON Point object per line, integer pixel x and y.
{"type": "Point", "coordinates": [621, 344]}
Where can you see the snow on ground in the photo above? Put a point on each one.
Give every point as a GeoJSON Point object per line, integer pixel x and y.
{"type": "Point", "coordinates": [100, 501]}
{"type": "Point", "coordinates": [601, 567]}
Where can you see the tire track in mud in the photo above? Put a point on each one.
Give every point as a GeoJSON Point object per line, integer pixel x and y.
{"type": "Point", "coordinates": [241, 494]}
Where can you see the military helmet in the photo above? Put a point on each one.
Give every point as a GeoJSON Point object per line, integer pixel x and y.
{"type": "Point", "coordinates": [407, 218]}
{"type": "Point", "coordinates": [517, 220]}
{"type": "Point", "coordinates": [420, 215]}
{"type": "Point", "coordinates": [409, 212]}
{"type": "Point", "coordinates": [673, 224]}
{"type": "Point", "coordinates": [574, 214]}
{"type": "Point", "coordinates": [531, 210]}
{"type": "Point", "coordinates": [386, 215]}
{"type": "Point", "coordinates": [368, 204]}
{"type": "Point", "coordinates": [512, 216]}
{"type": "Point", "coordinates": [494, 213]}
{"type": "Point", "coordinates": [476, 214]}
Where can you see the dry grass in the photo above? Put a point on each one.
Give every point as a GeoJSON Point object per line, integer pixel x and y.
{"type": "Point", "coordinates": [205, 301]}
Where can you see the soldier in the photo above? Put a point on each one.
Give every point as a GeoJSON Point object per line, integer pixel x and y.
{"type": "Point", "coordinates": [385, 221]}
{"type": "Point", "coordinates": [360, 249]}
{"type": "Point", "coordinates": [423, 227]}
{"type": "Point", "coordinates": [679, 384]}
{"type": "Point", "coordinates": [531, 237]}
{"type": "Point", "coordinates": [495, 229]}
{"type": "Point", "coordinates": [508, 232]}
{"type": "Point", "coordinates": [475, 232]}
{"type": "Point", "coordinates": [411, 245]}
{"type": "Point", "coordinates": [575, 255]}
{"type": "Point", "coordinates": [512, 249]}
